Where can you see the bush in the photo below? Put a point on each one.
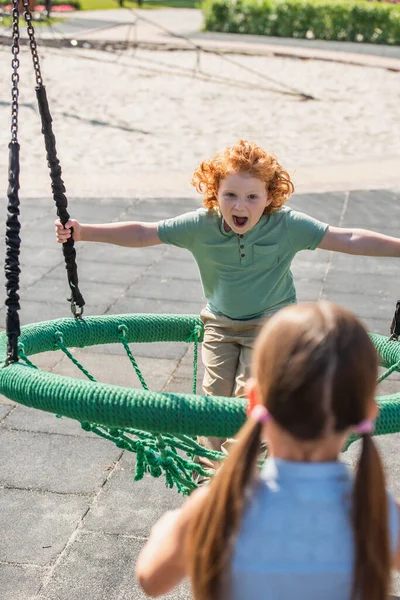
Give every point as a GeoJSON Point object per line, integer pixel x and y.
{"type": "Point", "coordinates": [75, 3]}
{"type": "Point", "coordinates": [342, 20]}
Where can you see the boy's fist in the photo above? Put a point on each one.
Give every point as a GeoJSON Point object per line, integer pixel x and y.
{"type": "Point", "coordinates": [64, 233]}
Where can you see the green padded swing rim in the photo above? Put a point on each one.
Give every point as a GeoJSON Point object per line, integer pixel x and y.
{"type": "Point", "coordinates": [119, 407]}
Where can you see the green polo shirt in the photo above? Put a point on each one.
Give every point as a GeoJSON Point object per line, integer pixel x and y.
{"type": "Point", "coordinates": [248, 275]}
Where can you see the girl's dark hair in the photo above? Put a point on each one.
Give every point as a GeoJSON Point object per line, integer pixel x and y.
{"type": "Point", "coordinates": [316, 372]}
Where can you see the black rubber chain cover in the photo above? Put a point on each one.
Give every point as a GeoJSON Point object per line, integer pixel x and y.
{"type": "Point", "coordinates": [58, 190]}
{"type": "Point", "coordinates": [13, 242]}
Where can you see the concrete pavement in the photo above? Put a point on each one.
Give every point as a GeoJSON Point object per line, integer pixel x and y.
{"type": "Point", "coordinates": [71, 517]}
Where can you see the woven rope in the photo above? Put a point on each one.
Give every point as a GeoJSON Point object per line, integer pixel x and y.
{"type": "Point", "coordinates": [120, 407]}
{"type": "Point", "coordinates": [94, 331]}
{"type": "Point", "coordinates": [154, 425]}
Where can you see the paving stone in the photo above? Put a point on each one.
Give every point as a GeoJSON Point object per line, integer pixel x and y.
{"type": "Point", "coordinates": [367, 266]}
{"type": "Point", "coordinates": [166, 288]}
{"type": "Point", "coordinates": [328, 211]}
{"type": "Point", "coordinates": [36, 311]}
{"type": "Point", "coordinates": [99, 294]}
{"type": "Point", "coordinates": [33, 255]}
{"type": "Point", "coordinates": [140, 503]}
{"type": "Point", "coordinates": [117, 371]}
{"type": "Point", "coordinates": [96, 211]}
{"type": "Point", "coordinates": [20, 582]}
{"type": "Point", "coordinates": [44, 231]}
{"type": "Point", "coordinates": [91, 271]}
{"type": "Point", "coordinates": [389, 387]}
{"type": "Point", "coordinates": [180, 254]}
{"type": "Point", "coordinates": [36, 526]}
{"type": "Point", "coordinates": [47, 361]}
{"type": "Point", "coordinates": [29, 276]}
{"type": "Point", "coordinates": [183, 384]}
{"type": "Point", "coordinates": [113, 203]}
{"type": "Point", "coordinates": [154, 209]}
{"type": "Point", "coordinates": [4, 400]}
{"type": "Point", "coordinates": [24, 418]}
{"type": "Point", "coordinates": [380, 326]}
{"type": "Point", "coordinates": [176, 269]}
{"type": "Point", "coordinates": [375, 285]}
{"type": "Point", "coordinates": [170, 350]}
{"type": "Point", "coordinates": [55, 463]}
{"type": "Point", "coordinates": [88, 572]}
{"type": "Point", "coordinates": [5, 410]}
{"type": "Point", "coordinates": [185, 367]}
{"type": "Point", "coordinates": [110, 255]}
{"type": "Point", "coordinates": [308, 290]}
{"type": "Point", "coordinates": [363, 306]}
{"type": "Point", "coordinates": [303, 267]}
{"type": "Point", "coordinates": [366, 212]}
{"type": "Point", "coordinates": [156, 305]}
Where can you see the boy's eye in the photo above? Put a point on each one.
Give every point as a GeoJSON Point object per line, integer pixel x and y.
{"type": "Point", "coordinates": [230, 195]}
{"type": "Point", "coordinates": [253, 196]}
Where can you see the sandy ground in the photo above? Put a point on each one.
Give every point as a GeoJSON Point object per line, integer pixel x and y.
{"type": "Point", "coordinates": [139, 123]}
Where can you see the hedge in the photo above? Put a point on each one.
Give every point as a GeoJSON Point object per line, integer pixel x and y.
{"type": "Point", "coordinates": [342, 20]}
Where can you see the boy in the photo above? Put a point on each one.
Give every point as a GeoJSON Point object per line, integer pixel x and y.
{"type": "Point", "coordinates": [244, 241]}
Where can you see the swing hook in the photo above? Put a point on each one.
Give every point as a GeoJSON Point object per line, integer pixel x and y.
{"type": "Point", "coordinates": [395, 326]}
{"type": "Point", "coordinates": [76, 310]}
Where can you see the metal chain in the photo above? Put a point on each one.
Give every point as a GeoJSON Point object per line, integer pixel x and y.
{"type": "Point", "coordinates": [32, 43]}
{"type": "Point", "coordinates": [15, 74]}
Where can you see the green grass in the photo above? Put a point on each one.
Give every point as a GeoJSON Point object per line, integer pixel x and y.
{"type": "Point", "coordinates": [107, 4]}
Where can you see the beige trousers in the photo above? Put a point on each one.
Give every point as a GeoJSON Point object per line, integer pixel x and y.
{"type": "Point", "coordinates": [226, 353]}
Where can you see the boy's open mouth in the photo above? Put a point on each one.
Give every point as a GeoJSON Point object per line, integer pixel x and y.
{"type": "Point", "coordinates": [240, 221]}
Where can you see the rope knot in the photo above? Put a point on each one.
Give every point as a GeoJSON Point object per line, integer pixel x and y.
{"type": "Point", "coordinates": [123, 330]}
{"type": "Point", "coordinates": [195, 334]}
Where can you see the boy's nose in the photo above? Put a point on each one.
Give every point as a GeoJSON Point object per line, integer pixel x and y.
{"type": "Point", "coordinates": [239, 204]}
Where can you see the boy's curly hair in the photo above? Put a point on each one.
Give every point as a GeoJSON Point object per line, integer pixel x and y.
{"type": "Point", "coordinates": [245, 157]}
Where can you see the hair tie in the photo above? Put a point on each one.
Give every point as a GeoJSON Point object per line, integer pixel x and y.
{"type": "Point", "coordinates": [260, 414]}
{"type": "Point", "coordinates": [365, 427]}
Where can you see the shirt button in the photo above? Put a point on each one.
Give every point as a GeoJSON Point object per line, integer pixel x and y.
{"type": "Point", "coordinates": [241, 246]}
{"type": "Point", "coordinates": [242, 255]}
{"type": "Point", "coordinates": [241, 235]}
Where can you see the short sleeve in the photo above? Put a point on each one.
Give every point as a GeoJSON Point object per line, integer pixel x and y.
{"type": "Point", "coordinates": [305, 232]}
{"type": "Point", "coordinates": [179, 231]}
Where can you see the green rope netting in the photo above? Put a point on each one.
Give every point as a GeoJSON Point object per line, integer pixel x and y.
{"type": "Point", "coordinates": [161, 428]}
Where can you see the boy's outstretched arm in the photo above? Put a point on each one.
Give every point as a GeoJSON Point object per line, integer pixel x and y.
{"type": "Point", "coordinates": [133, 234]}
{"type": "Point", "coordinates": [360, 241]}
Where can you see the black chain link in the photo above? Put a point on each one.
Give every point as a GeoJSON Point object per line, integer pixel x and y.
{"type": "Point", "coordinates": [32, 43]}
{"type": "Point", "coordinates": [15, 74]}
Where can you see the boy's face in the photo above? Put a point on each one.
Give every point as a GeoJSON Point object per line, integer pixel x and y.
{"type": "Point", "coordinates": [242, 200]}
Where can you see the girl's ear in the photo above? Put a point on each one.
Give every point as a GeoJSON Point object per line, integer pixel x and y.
{"type": "Point", "coordinates": [252, 395]}
{"type": "Point", "coordinates": [373, 411]}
